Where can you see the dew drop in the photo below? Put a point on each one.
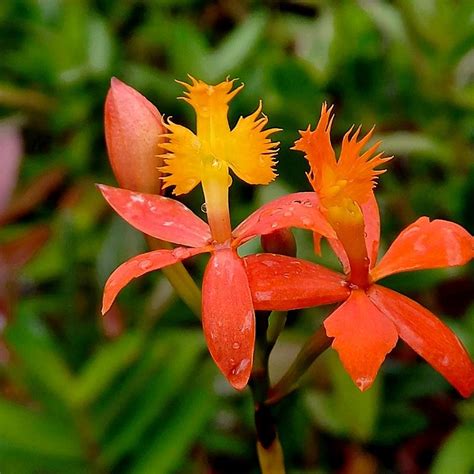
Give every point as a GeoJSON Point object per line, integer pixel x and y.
{"type": "Point", "coordinates": [145, 264]}
{"type": "Point", "coordinates": [180, 253]}
{"type": "Point", "coordinates": [236, 345]}
{"type": "Point", "coordinates": [307, 221]}
{"type": "Point", "coordinates": [287, 214]}
{"type": "Point", "coordinates": [168, 223]}
{"type": "Point", "coordinates": [204, 207]}
{"type": "Point", "coordinates": [244, 363]}
{"type": "Point", "coordinates": [363, 382]}
{"type": "Point", "coordinates": [216, 164]}
{"type": "Point", "coordinates": [307, 204]}
{"type": "Point", "coordinates": [274, 225]}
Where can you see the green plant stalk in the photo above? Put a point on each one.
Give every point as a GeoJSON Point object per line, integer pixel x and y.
{"type": "Point", "coordinates": [310, 351]}
{"type": "Point", "coordinates": [180, 279]}
{"type": "Point", "coordinates": [270, 454]}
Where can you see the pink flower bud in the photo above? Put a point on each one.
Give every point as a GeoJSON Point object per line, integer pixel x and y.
{"type": "Point", "coordinates": [133, 133]}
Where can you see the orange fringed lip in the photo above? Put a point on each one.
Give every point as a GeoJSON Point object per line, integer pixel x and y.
{"type": "Point", "coordinates": [353, 176]}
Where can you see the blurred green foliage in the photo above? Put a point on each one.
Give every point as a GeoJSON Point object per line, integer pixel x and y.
{"type": "Point", "coordinates": [136, 391]}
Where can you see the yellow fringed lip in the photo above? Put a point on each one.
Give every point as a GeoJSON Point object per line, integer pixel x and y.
{"type": "Point", "coordinates": [246, 149]}
{"type": "Point", "coordinates": [350, 178]}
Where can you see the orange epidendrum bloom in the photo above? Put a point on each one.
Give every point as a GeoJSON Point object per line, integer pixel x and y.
{"type": "Point", "coordinates": [205, 157]}
{"type": "Point", "coordinates": [371, 318]}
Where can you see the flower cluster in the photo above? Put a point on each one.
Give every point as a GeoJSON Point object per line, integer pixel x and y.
{"type": "Point", "coordinates": [342, 209]}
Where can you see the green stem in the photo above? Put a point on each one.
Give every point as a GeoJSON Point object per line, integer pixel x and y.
{"type": "Point", "coordinates": [180, 279]}
{"type": "Point", "coordinates": [310, 351]}
{"type": "Point", "coordinates": [276, 324]}
{"type": "Point", "coordinates": [270, 454]}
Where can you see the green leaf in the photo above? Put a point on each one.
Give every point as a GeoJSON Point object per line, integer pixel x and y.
{"type": "Point", "coordinates": [25, 429]}
{"type": "Point", "coordinates": [322, 408]}
{"type": "Point", "coordinates": [185, 421]}
{"type": "Point", "coordinates": [183, 353]}
{"type": "Point", "coordinates": [457, 453]}
{"type": "Point", "coordinates": [358, 411]}
{"type": "Point", "coordinates": [40, 359]}
{"type": "Point", "coordinates": [236, 47]}
{"type": "Point", "coordinates": [104, 367]}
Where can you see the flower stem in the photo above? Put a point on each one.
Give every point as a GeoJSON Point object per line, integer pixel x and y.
{"type": "Point", "coordinates": [311, 349]}
{"type": "Point", "coordinates": [270, 454]}
{"type": "Point", "coordinates": [180, 279]}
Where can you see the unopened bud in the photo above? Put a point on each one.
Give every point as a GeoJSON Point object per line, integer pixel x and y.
{"type": "Point", "coordinates": [133, 133]}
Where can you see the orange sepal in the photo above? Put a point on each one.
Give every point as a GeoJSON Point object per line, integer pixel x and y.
{"type": "Point", "coordinates": [283, 283]}
{"type": "Point", "coordinates": [428, 337]}
{"type": "Point", "coordinates": [141, 264]}
{"type": "Point", "coordinates": [300, 210]}
{"type": "Point", "coordinates": [228, 317]}
{"type": "Point", "coordinates": [363, 336]}
{"type": "Point", "coordinates": [158, 216]}
{"type": "Point", "coordinates": [424, 245]}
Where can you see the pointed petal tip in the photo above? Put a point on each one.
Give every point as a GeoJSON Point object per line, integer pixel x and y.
{"type": "Point", "coordinates": [240, 374]}
{"type": "Point", "coordinates": [364, 383]}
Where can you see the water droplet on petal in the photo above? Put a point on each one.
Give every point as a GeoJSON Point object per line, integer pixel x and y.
{"type": "Point", "coordinates": [145, 264]}
{"type": "Point", "coordinates": [204, 207]}
{"type": "Point", "coordinates": [244, 363]}
{"type": "Point", "coordinates": [180, 253]}
{"type": "Point", "coordinates": [307, 221]}
{"type": "Point", "coordinates": [364, 382]}
{"type": "Point", "coordinates": [307, 204]}
{"type": "Point", "coordinates": [274, 225]}
{"type": "Point", "coordinates": [287, 214]}
{"type": "Point", "coordinates": [236, 345]}
{"type": "Point", "coordinates": [168, 223]}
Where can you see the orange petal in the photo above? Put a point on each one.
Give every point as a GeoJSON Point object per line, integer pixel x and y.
{"type": "Point", "coordinates": [133, 132]}
{"type": "Point", "coordinates": [160, 217]}
{"type": "Point", "coordinates": [363, 337]}
{"type": "Point", "coordinates": [424, 245]}
{"type": "Point", "coordinates": [294, 210]}
{"type": "Point", "coordinates": [141, 264]}
{"type": "Point", "coordinates": [428, 337]}
{"type": "Point", "coordinates": [228, 317]}
{"type": "Point", "coordinates": [283, 283]}
{"type": "Point", "coordinates": [370, 211]}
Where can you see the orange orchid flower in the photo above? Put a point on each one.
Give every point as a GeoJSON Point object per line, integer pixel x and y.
{"type": "Point", "coordinates": [206, 157]}
{"type": "Point", "coordinates": [370, 320]}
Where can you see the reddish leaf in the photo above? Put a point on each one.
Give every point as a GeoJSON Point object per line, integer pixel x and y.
{"type": "Point", "coordinates": [133, 132]}
{"type": "Point", "coordinates": [363, 336]}
{"type": "Point", "coordinates": [428, 337]}
{"type": "Point", "coordinates": [158, 216]}
{"type": "Point", "coordinates": [16, 253]}
{"type": "Point", "coordinates": [11, 151]}
{"type": "Point", "coordinates": [30, 197]}
{"type": "Point", "coordinates": [426, 244]}
{"type": "Point", "coordinates": [282, 283]}
{"type": "Point", "coordinates": [294, 210]}
{"type": "Point", "coordinates": [141, 264]}
{"type": "Point", "coordinates": [228, 317]}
